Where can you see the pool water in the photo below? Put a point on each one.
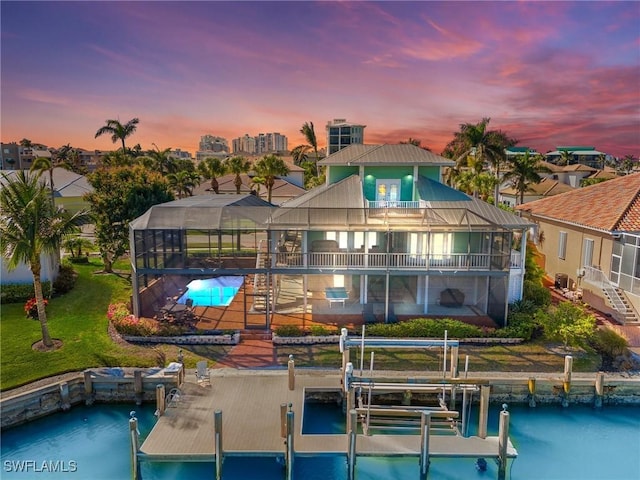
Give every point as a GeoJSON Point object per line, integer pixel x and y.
{"type": "Point", "coordinates": [212, 292]}
{"type": "Point", "coordinates": [553, 443]}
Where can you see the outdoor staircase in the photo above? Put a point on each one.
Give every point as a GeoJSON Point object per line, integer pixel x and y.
{"type": "Point", "coordinates": [261, 291]}
{"type": "Point", "coordinates": [627, 313]}
{"type": "Point", "coordinates": [616, 296]}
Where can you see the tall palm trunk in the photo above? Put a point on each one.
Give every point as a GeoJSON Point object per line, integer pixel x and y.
{"type": "Point", "coordinates": [42, 314]}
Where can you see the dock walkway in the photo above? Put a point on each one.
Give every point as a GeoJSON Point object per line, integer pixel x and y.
{"type": "Point", "coordinates": [250, 403]}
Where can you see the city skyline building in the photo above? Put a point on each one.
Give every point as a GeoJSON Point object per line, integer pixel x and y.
{"type": "Point", "coordinates": [341, 133]}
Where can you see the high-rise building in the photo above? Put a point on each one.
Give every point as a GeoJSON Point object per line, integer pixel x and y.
{"type": "Point", "coordinates": [212, 146]}
{"type": "Point", "coordinates": [260, 144]}
{"type": "Point", "coordinates": [341, 134]}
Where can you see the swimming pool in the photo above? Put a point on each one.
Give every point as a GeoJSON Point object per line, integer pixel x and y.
{"type": "Point", "coordinates": [553, 443]}
{"type": "Point", "coordinates": [212, 292]}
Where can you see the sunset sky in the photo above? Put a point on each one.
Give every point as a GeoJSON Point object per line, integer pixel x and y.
{"type": "Point", "coordinates": [547, 73]}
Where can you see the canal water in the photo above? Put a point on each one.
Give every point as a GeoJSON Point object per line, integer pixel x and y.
{"type": "Point", "coordinates": [91, 443]}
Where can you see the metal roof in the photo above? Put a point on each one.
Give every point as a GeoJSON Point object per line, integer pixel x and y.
{"type": "Point", "coordinates": [385, 155]}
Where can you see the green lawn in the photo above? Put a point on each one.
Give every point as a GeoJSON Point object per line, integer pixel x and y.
{"type": "Point", "coordinates": [530, 357]}
{"type": "Point", "coordinates": [79, 320]}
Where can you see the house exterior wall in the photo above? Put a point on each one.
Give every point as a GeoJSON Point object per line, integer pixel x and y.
{"type": "Point", "coordinates": [402, 173]}
{"type": "Point", "coordinates": [339, 172]}
{"type": "Point", "coordinates": [573, 258]}
{"type": "Point", "coordinates": [22, 273]}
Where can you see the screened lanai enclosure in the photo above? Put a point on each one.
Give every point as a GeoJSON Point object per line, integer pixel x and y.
{"type": "Point", "coordinates": [416, 260]}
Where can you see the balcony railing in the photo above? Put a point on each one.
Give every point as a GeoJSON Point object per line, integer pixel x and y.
{"type": "Point", "coordinates": [394, 261]}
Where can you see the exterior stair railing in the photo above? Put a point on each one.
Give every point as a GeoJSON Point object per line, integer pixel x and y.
{"type": "Point", "coordinates": [595, 276]}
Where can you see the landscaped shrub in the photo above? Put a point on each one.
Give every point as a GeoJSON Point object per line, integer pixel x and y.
{"type": "Point", "coordinates": [609, 342]}
{"type": "Point", "coordinates": [66, 280]}
{"type": "Point", "coordinates": [520, 324]}
{"type": "Point", "coordinates": [289, 331]}
{"type": "Point", "coordinates": [321, 330]}
{"type": "Point", "coordinates": [31, 308]}
{"type": "Point", "coordinates": [21, 292]}
{"type": "Point", "coordinates": [128, 324]}
{"type": "Point", "coordinates": [567, 322]}
{"type": "Point", "coordinates": [425, 327]}
{"type": "Point", "coordinates": [536, 293]}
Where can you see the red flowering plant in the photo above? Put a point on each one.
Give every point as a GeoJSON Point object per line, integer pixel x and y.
{"type": "Point", "coordinates": [127, 323]}
{"type": "Point", "coordinates": [31, 307]}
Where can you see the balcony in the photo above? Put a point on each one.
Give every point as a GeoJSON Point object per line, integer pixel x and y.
{"type": "Point", "coordinates": [392, 261]}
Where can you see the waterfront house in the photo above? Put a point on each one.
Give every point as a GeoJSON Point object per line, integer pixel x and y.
{"type": "Point", "coordinates": [383, 235]}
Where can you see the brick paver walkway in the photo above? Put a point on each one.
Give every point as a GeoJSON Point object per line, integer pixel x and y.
{"type": "Point", "coordinates": [250, 353]}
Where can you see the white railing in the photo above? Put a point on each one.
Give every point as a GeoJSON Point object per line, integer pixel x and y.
{"type": "Point", "coordinates": [596, 277]}
{"type": "Point", "coordinates": [399, 204]}
{"type": "Point", "coordinates": [395, 261]}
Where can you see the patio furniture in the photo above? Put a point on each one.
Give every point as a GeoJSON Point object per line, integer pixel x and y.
{"type": "Point", "coordinates": [336, 295]}
{"type": "Point", "coordinates": [202, 373]}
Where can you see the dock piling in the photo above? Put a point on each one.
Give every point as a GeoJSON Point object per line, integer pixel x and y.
{"type": "Point", "coordinates": [292, 373]}
{"type": "Point", "coordinates": [65, 403]}
{"type": "Point", "coordinates": [454, 361]}
{"type": "Point", "coordinates": [217, 425]}
{"type": "Point", "coordinates": [134, 447]}
{"type": "Point", "coordinates": [290, 452]}
{"type": "Point", "coordinates": [599, 386]}
{"type": "Point", "coordinates": [532, 392]}
{"type": "Point", "coordinates": [88, 388]}
{"type": "Point", "coordinates": [283, 420]}
{"type": "Point", "coordinates": [425, 428]}
{"type": "Point", "coordinates": [503, 442]}
{"type": "Point", "coordinates": [351, 453]}
{"type": "Point", "coordinates": [484, 411]}
{"type": "Point", "coordinates": [160, 400]}
{"type": "Point", "coordinates": [137, 386]}
{"type": "Point", "coordinates": [566, 384]}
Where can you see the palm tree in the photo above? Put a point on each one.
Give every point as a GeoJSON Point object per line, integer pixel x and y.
{"type": "Point", "coordinates": [524, 171]}
{"type": "Point", "coordinates": [565, 158]}
{"type": "Point", "coordinates": [474, 140]}
{"type": "Point", "coordinates": [41, 165]}
{"type": "Point", "coordinates": [118, 131]}
{"type": "Point", "coordinates": [117, 158]}
{"type": "Point", "coordinates": [161, 160]}
{"type": "Point", "coordinates": [211, 168]}
{"type": "Point", "coordinates": [310, 135]}
{"type": "Point", "coordinates": [237, 166]}
{"type": "Point", "coordinates": [26, 143]}
{"type": "Point", "coordinates": [30, 227]}
{"type": "Point", "coordinates": [183, 183]}
{"type": "Point", "coordinates": [256, 183]}
{"type": "Point", "coordinates": [299, 154]}
{"type": "Point", "coordinates": [269, 167]}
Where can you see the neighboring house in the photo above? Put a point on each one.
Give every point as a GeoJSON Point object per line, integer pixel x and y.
{"type": "Point", "coordinates": [588, 156]}
{"type": "Point", "coordinates": [383, 234]}
{"type": "Point", "coordinates": [592, 240]}
{"type": "Point", "coordinates": [69, 189]}
{"type": "Point", "coordinates": [546, 188]}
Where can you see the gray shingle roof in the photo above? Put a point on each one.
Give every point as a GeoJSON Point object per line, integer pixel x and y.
{"type": "Point", "coordinates": [400, 154]}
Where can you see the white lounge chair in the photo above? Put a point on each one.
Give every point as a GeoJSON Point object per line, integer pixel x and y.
{"type": "Point", "coordinates": [202, 373]}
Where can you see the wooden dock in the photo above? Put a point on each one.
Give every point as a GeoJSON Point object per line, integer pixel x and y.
{"type": "Point", "coordinates": [251, 401]}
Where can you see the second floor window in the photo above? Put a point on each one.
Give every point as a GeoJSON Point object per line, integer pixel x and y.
{"type": "Point", "coordinates": [562, 245]}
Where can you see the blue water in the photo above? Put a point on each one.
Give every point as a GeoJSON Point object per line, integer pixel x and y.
{"type": "Point", "coordinates": [553, 444]}
{"type": "Point", "coordinates": [212, 292]}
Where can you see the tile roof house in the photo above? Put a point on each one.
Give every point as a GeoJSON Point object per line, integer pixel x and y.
{"type": "Point", "coordinates": [592, 239]}
{"type": "Point", "coordinates": [384, 231]}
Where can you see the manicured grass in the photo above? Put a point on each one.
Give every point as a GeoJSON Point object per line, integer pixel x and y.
{"type": "Point", "coordinates": [79, 320]}
{"type": "Point", "coordinates": [530, 357]}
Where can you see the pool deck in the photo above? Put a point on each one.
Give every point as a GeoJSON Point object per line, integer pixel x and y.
{"type": "Point", "coordinates": [250, 403]}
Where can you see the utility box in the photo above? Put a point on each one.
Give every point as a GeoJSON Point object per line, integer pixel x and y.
{"type": "Point", "coordinates": [562, 280]}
